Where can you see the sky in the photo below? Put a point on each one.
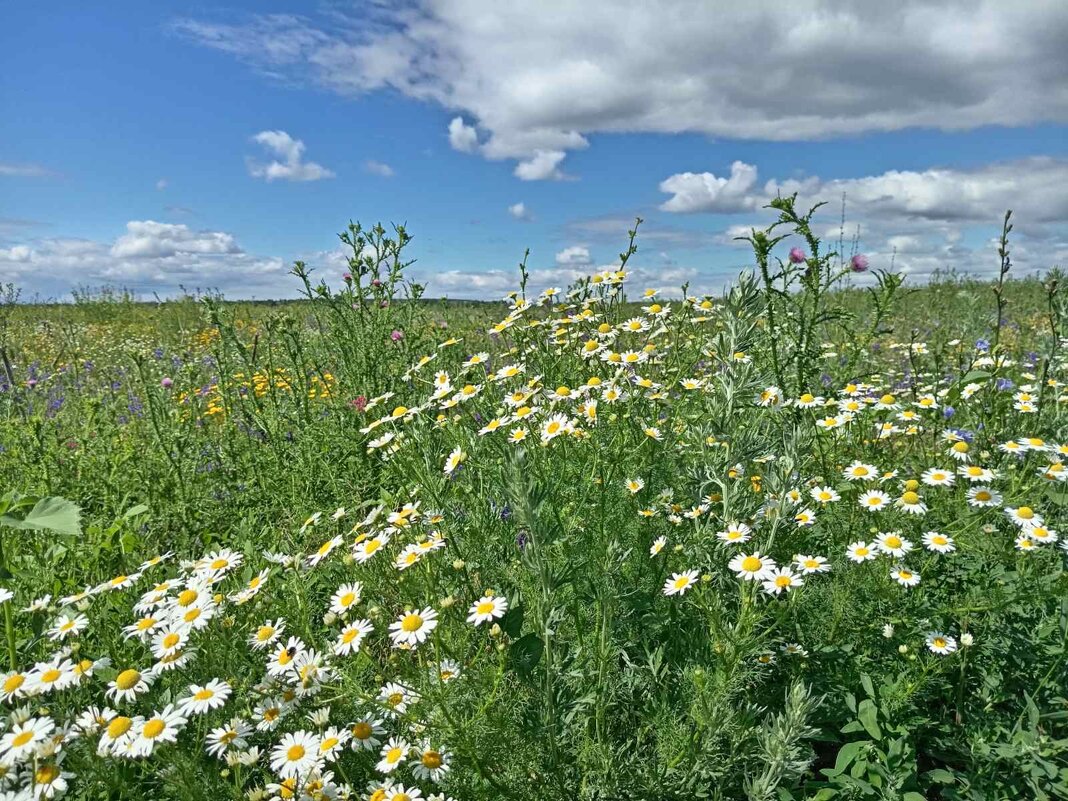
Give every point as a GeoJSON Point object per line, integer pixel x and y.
{"type": "Point", "coordinates": [168, 147]}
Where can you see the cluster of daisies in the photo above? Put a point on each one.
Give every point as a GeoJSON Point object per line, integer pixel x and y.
{"type": "Point", "coordinates": [277, 722]}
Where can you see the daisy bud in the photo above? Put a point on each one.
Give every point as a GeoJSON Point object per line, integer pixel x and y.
{"type": "Point", "coordinates": [458, 564]}
{"type": "Point", "coordinates": [329, 619]}
{"type": "Point", "coordinates": [447, 601]}
{"type": "Point", "coordinates": [967, 639]}
{"type": "Point", "coordinates": [902, 649]}
{"type": "Point", "coordinates": [495, 630]}
{"type": "Point", "coordinates": [888, 630]}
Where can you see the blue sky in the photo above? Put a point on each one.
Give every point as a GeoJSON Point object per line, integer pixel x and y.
{"type": "Point", "coordinates": [129, 153]}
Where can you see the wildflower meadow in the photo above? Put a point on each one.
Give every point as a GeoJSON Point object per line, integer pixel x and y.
{"type": "Point", "coordinates": [801, 539]}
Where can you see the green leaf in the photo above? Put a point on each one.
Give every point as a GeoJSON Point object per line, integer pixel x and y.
{"type": "Point", "coordinates": [49, 514]}
{"type": "Point", "coordinates": [941, 775]}
{"type": "Point", "coordinates": [912, 795]}
{"type": "Point", "coordinates": [512, 622]}
{"type": "Point", "coordinates": [525, 654]}
{"type": "Point", "coordinates": [975, 375]}
{"type": "Point", "coordinates": [869, 718]}
{"type": "Point", "coordinates": [134, 511]}
{"type": "Point", "coordinates": [846, 754]}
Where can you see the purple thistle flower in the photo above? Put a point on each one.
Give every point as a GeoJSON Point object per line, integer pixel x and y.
{"type": "Point", "coordinates": [859, 263]}
{"type": "Point", "coordinates": [796, 255]}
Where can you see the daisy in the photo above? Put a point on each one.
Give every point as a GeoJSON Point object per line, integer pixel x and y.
{"type": "Point", "coordinates": [811, 564]}
{"type": "Point", "coordinates": [657, 546]}
{"type": "Point", "coordinates": [1041, 534]}
{"type": "Point", "coordinates": [367, 734]}
{"type": "Point", "coordinates": [634, 485]}
{"type": "Point", "coordinates": [679, 583]}
{"type": "Point", "coordinates": [824, 495]}
{"type": "Point", "coordinates": [781, 580]}
{"type": "Point", "coordinates": [117, 736]}
{"type": "Point", "coordinates": [50, 780]}
{"type": "Point", "coordinates": [910, 502]}
{"type": "Point", "coordinates": [267, 634]}
{"type": "Point", "coordinates": [67, 626]}
{"type": "Point", "coordinates": [409, 555]}
{"type": "Point", "coordinates": [170, 640]}
{"type": "Point", "coordinates": [487, 609]}
{"type": "Point", "coordinates": [977, 474]}
{"type": "Point", "coordinates": [940, 543]}
{"type": "Point", "coordinates": [346, 597]}
{"type": "Point", "coordinates": [161, 727]}
{"type": "Point", "coordinates": [860, 551]}
{"type": "Point", "coordinates": [203, 699]}
{"type": "Point", "coordinates": [296, 755]}
{"type": "Point", "coordinates": [393, 753]}
{"type": "Point", "coordinates": [447, 670]}
{"type": "Point", "coordinates": [454, 460]}
{"type": "Point", "coordinates": [859, 471]}
{"type": "Point", "coordinates": [892, 543]}
{"type": "Point", "coordinates": [413, 627]}
{"type": "Point", "coordinates": [904, 577]}
{"type": "Point", "coordinates": [752, 567]}
{"type": "Point", "coordinates": [127, 685]}
{"type": "Point", "coordinates": [1024, 516]}
{"type": "Point", "coordinates": [804, 518]}
{"type": "Point", "coordinates": [735, 532]}
{"type": "Point", "coordinates": [396, 698]}
{"type": "Point", "coordinates": [937, 477]}
{"type": "Point", "coordinates": [224, 738]}
{"type": "Point", "coordinates": [51, 676]}
{"type": "Point", "coordinates": [982, 497]}
{"type": "Point", "coordinates": [351, 637]}
{"type": "Point", "coordinates": [1025, 543]}
{"type": "Point", "coordinates": [12, 685]}
{"type": "Point", "coordinates": [331, 742]}
{"type": "Point", "coordinates": [432, 763]}
{"type": "Point", "coordinates": [22, 742]}
{"type": "Point", "coordinates": [874, 500]}
{"type": "Point", "coordinates": [940, 643]}
{"type": "Point", "coordinates": [363, 551]}
{"type": "Point", "coordinates": [269, 714]}
{"type": "Point", "coordinates": [323, 551]}
{"type": "Point", "coordinates": [281, 661]}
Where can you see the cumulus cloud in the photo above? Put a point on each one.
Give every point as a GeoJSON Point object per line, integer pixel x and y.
{"type": "Point", "coordinates": [541, 77]}
{"type": "Point", "coordinates": [919, 220]}
{"type": "Point", "coordinates": [378, 168]}
{"type": "Point", "coordinates": [541, 166]}
{"type": "Point", "coordinates": [150, 239]}
{"type": "Point", "coordinates": [706, 192]}
{"type": "Point", "coordinates": [289, 164]}
{"type": "Point", "coordinates": [574, 256]}
{"type": "Point", "coordinates": [520, 212]}
{"type": "Point", "coordinates": [148, 257]}
{"type": "Point", "coordinates": [462, 137]}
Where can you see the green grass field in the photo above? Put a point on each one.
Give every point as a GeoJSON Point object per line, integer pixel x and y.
{"type": "Point", "coordinates": [795, 541]}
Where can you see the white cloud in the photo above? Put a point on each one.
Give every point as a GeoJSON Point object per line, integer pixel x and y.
{"type": "Point", "coordinates": [150, 239]}
{"type": "Point", "coordinates": [919, 219]}
{"type": "Point", "coordinates": [378, 168]}
{"type": "Point", "coordinates": [541, 166]}
{"type": "Point", "coordinates": [574, 256]}
{"type": "Point", "coordinates": [292, 166]}
{"type": "Point", "coordinates": [540, 77]}
{"type": "Point", "coordinates": [161, 184]}
{"type": "Point", "coordinates": [520, 212]}
{"type": "Point", "coordinates": [18, 253]}
{"type": "Point", "coordinates": [24, 170]}
{"type": "Point", "coordinates": [462, 137]}
{"type": "Point", "coordinates": [148, 257]}
{"type": "Point", "coordinates": [705, 192]}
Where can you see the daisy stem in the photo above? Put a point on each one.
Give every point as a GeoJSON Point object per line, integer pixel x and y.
{"type": "Point", "coordinates": [9, 622]}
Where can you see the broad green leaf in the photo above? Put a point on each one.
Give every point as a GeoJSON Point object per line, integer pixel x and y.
{"type": "Point", "coordinates": [525, 654]}
{"type": "Point", "coordinates": [49, 514]}
{"type": "Point", "coordinates": [869, 718]}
